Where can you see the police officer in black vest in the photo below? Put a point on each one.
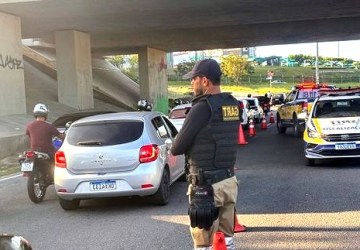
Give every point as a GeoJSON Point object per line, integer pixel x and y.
{"type": "Point", "coordinates": [208, 138]}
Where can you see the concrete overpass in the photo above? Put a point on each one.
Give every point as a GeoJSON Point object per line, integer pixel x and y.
{"type": "Point", "coordinates": [81, 29]}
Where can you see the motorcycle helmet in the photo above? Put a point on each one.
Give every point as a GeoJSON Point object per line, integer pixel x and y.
{"type": "Point", "coordinates": [178, 101]}
{"type": "Point", "coordinates": [13, 242]}
{"type": "Point", "coordinates": [41, 110]}
{"type": "Point", "coordinates": [144, 105]}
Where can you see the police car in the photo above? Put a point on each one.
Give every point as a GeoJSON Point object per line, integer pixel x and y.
{"type": "Point", "coordinates": [333, 126]}
{"type": "Point", "coordinates": [294, 109]}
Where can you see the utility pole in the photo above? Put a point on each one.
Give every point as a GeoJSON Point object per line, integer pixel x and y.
{"type": "Point", "coordinates": [317, 64]}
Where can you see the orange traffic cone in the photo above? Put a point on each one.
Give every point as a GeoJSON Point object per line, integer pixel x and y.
{"type": "Point", "coordinates": [252, 131]}
{"type": "Point", "coordinates": [263, 123]}
{"type": "Point", "coordinates": [238, 228]}
{"type": "Point", "coordinates": [272, 119]}
{"type": "Point", "coordinates": [219, 241]}
{"type": "Point", "coordinates": [241, 136]}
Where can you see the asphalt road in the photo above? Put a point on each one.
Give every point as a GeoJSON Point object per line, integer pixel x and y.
{"type": "Point", "coordinates": [283, 203]}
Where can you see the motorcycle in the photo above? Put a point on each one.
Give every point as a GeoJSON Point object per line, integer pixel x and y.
{"type": "Point", "coordinates": [39, 167]}
{"type": "Point", "coordinates": [266, 107]}
{"type": "Point", "coordinates": [36, 166]}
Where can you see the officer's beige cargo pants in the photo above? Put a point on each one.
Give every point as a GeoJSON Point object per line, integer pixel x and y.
{"type": "Point", "coordinates": [225, 195]}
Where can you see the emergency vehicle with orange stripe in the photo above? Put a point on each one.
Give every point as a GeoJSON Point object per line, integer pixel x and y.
{"type": "Point", "coordinates": [294, 109]}
{"type": "Point", "coordinates": [333, 126]}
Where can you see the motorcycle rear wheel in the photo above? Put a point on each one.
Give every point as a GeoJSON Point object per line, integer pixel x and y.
{"type": "Point", "coordinates": [36, 187]}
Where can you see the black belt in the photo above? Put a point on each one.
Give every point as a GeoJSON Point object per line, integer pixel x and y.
{"type": "Point", "coordinates": [208, 177]}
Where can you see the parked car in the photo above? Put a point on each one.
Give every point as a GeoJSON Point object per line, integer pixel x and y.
{"type": "Point", "coordinates": [278, 82]}
{"type": "Point", "coordinates": [296, 106]}
{"type": "Point", "coordinates": [277, 99]}
{"type": "Point", "coordinates": [256, 110]}
{"type": "Point", "coordinates": [246, 113]}
{"type": "Point", "coordinates": [332, 128]}
{"type": "Point", "coordinates": [264, 103]}
{"type": "Point", "coordinates": [178, 114]}
{"type": "Point", "coordinates": [118, 154]}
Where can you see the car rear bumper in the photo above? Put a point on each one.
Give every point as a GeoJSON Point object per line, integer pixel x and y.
{"type": "Point", "coordinates": [71, 186]}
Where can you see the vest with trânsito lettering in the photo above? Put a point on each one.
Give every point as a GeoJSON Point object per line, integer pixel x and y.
{"type": "Point", "coordinates": [214, 147]}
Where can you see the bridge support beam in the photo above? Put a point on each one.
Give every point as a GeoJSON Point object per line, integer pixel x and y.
{"type": "Point", "coordinates": [153, 78]}
{"type": "Point", "coordinates": [74, 70]}
{"type": "Point", "coordinates": [12, 84]}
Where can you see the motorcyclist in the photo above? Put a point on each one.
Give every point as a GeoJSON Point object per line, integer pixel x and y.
{"type": "Point", "coordinates": [266, 99]}
{"type": "Point", "coordinates": [41, 132]}
{"type": "Point", "coordinates": [265, 104]}
{"type": "Point", "coordinates": [144, 105]}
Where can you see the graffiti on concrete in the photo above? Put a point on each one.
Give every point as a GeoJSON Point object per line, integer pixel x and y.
{"type": "Point", "coordinates": [10, 62]}
{"type": "Point", "coordinates": [162, 64]}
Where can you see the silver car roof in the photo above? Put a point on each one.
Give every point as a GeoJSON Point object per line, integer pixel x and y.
{"type": "Point", "coordinates": [133, 115]}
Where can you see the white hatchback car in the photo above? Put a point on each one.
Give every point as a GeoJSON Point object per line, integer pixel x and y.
{"type": "Point", "coordinates": [118, 154]}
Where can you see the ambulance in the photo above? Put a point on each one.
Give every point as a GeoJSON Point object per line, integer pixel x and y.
{"type": "Point", "coordinates": [332, 127]}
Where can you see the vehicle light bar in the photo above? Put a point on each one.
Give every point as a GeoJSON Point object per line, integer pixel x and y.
{"type": "Point", "coordinates": [312, 85]}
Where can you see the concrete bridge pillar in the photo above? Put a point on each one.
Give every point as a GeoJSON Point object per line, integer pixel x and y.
{"type": "Point", "coordinates": [153, 78]}
{"type": "Point", "coordinates": [74, 70]}
{"type": "Point", "coordinates": [12, 84]}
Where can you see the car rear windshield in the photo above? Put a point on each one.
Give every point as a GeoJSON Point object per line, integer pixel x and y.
{"type": "Point", "coordinates": [105, 133]}
{"type": "Point", "coordinates": [251, 102]}
{"type": "Point", "coordinates": [337, 108]}
{"type": "Point", "coordinates": [179, 113]}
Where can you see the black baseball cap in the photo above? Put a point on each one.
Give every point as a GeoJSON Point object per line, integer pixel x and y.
{"type": "Point", "coordinates": [207, 67]}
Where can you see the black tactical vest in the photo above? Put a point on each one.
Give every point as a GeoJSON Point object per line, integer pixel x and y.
{"type": "Point", "coordinates": [214, 147]}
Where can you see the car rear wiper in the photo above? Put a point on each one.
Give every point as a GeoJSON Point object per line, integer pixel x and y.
{"type": "Point", "coordinates": [97, 143]}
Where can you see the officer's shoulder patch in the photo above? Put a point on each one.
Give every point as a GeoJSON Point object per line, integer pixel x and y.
{"type": "Point", "coordinates": [230, 112]}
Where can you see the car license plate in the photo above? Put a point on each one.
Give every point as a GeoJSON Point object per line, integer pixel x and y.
{"type": "Point", "coordinates": [102, 185]}
{"type": "Point", "coordinates": [27, 166]}
{"type": "Point", "coordinates": [345, 146]}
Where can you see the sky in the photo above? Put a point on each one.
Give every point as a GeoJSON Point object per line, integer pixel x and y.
{"type": "Point", "coordinates": [343, 49]}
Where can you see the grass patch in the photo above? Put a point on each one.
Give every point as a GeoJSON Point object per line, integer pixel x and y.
{"type": "Point", "coordinates": [181, 89]}
{"type": "Point", "coordinates": [9, 169]}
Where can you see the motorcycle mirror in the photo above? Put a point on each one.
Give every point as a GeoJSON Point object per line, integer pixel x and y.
{"type": "Point", "coordinates": [13, 242]}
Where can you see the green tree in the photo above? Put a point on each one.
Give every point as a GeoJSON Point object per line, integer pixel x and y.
{"type": "Point", "coordinates": [234, 66]}
{"type": "Point", "coordinates": [128, 64]}
{"type": "Point", "coordinates": [184, 67]}
{"type": "Point", "coordinates": [118, 60]}
{"type": "Point", "coordinates": [132, 67]}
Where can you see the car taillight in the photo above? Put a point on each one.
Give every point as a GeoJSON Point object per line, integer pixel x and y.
{"type": "Point", "coordinates": [29, 154]}
{"type": "Point", "coordinates": [304, 106]}
{"type": "Point", "coordinates": [148, 153]}
{"type": "Point", "coordinates": [60, 159]}
{"type": "Point", "coordinates": [241, 105]}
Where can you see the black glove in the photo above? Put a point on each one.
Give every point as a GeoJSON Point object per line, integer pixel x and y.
{"type": "Point", "coordinates": [202, 210]}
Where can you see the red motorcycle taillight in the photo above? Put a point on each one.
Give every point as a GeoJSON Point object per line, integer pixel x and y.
{"type": "Point", "coordinates": [60, 159]}
{"type": "Point", "coordinates": [148, 153]}
{"type": "Point", "coordinates": [241, 105]}
{"type": "Point", "coordinates": [29, 154]}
